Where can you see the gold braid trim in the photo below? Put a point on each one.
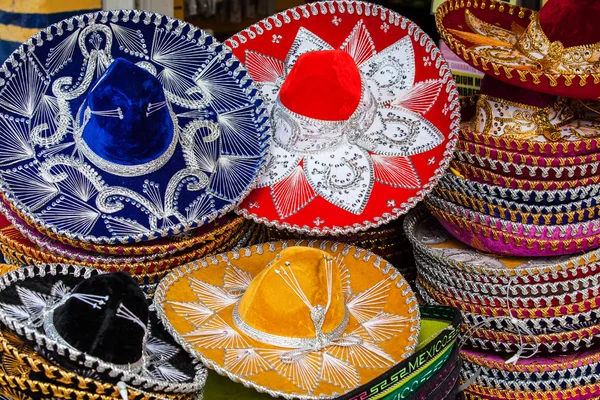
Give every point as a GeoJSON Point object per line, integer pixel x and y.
{"type": "Point", "coordinates": [551, 149]}
{"type": "Point", "coordinates": [520, 313]}
{"type": "Point", "coordinates": [530, 368]}
{"type": "Point", "coordinates": [474, 391]}
{"type": "Point", "coordinates": [30, 250]}
{"type": "Point", "coordinates": [512, 215]}
{"type": "Point", "coordinates": [526, 159]}
{"type": "Point", "coordinates": [57, 376]}
{"type": "Point", "coordinates": [507, 238]}
{"type": "Point", "coordinates": [469, 172]}
{"type": "Point", "coordinates": [555, 53]}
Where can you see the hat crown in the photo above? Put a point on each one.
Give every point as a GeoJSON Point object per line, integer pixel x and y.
{"type": "Point", "coordinates": [105, 316]}
{"type": "Point", "coordinates": [125, 118]}
{"type": "Point", "coordinates": [324, 85]}
{"type": "Point", "coordinates": [296, 296]}
{"type": "Point", "coordinates": [572, 22]}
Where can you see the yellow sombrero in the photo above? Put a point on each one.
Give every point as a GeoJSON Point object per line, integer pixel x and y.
{"type": "Point", "coordinates": [303, 319]}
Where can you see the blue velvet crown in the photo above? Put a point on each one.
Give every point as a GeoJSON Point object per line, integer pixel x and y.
{"type": "Point", "coordinates": [127, 126]}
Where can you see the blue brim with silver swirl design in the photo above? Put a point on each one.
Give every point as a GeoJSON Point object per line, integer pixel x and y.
{"type": "Point", "coordinates": [201, 151]}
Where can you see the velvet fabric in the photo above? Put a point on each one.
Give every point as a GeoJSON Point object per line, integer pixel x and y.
{"type": "Point", "coordinates": [331, 93]}
{"type": "Point", "coordinates": [270, 305]}
{"type": "Point", "coordinates": [367, 279]}
{"type": "Point", "coordinates": [98, 331]}
{"type": "Point", "coordinates": [146, 176]}
{"type": "Point", "coordinates": [569, 21]}
{"type": "Point", "coordinates": [572, 22]}
{"type": "Point", "coordinates": [142, 134]}
{"type": "Point", "coordinates": [383, 164]}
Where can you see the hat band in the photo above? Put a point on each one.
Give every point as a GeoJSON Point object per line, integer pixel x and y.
{"type": "Point", "coordinates": [300, 134]}
{"type": "Point", "coordinates": [558, 121]}
{"type": "Point", "coordinates": [120, 169]}
{"type": "Point", "coordinates": [291, 342]}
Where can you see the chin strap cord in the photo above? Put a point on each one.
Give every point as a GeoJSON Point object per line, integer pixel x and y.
{"type": "Point", "coordinates": [123, 390]}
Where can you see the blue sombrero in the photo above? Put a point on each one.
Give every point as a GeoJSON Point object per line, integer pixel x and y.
{"type": "Point", "coordinates": [125, 126]}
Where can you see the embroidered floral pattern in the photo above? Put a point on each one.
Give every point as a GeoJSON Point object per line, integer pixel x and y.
{"type": "Point", "coordinates": [337, 362]}
{"type": "Point", "coordinates": [343, 161]}
{"type": "Point", "coordinates": [219, 140]}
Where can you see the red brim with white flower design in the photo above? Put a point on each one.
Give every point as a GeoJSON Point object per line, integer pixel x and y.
{"type": "Point", "coordinates": [364, 112]}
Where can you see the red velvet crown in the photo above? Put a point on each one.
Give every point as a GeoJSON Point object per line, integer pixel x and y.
{"type": "Point", "coordinates": [572, 22]}
{"type": "Point", "coordinates": [330, 94]}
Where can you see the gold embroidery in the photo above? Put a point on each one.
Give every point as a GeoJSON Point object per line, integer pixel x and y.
{"type": "Point", "coordinates": [523, 48]}
{"type": "Point", "coordinates": [529, 50]}
{"type": "Point", "coordinates": [558, 121]}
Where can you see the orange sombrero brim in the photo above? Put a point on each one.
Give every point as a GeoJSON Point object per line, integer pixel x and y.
{"type": "Point", "coordinates": [226, 346]}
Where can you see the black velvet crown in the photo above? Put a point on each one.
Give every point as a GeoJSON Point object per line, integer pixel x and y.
{"type": "Point", "coordinates": [97, 326]}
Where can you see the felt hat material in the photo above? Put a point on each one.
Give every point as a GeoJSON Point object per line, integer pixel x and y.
{"type": "Point", "coordinates": [434, 355]}
{"type": "Point", "coordinates": [132, 126]}
{"type": "Point", "coordinates": [354, 147]}
{"type": "Point", "coordinates": [72, 315]}
{"type": "Point", "coordinates": [284, 298]}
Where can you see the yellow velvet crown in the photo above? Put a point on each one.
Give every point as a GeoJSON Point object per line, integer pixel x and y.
{"type": "Point", "coordinates": [276, 299]}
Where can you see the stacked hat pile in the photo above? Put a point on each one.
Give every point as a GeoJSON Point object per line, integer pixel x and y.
{"type": "Point", "coordinates": [520, 201]}
{"type": "Point", "coordinates": [127, 138]}
{"type": "Point", "coordinates": [118, 151]}
{"type": "Point", "coordinates": [96, 172]}
{"type": "Point", "coordinates": [364, 116]}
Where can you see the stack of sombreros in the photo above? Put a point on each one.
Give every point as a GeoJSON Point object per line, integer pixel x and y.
{"type": "Point", "coordinates": [126, 146]}
{"type": "Point", "coordinates": [126, 139]}
{"type": "Point", "coordinates": [516, 222]}
{"type": "Point", "coordinates": [72, 332]}
{"type": "Point", "coordinates": [364, 114]}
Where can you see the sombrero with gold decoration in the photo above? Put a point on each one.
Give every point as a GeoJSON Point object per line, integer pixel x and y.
{"type": "Point", "coordinates": [555, 51]}
{"type": "Point", "coordinates": [306, 319]}
{"type": "Point", "coordinates": [364, 113]}
{"type": "Point", "coordinates": [26, 375]}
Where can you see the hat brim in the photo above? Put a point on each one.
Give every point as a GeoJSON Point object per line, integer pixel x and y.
{"type": "Point", "coordinates": [19, 363]}
{"type": "Point", "coordinates": [169, 368]}
{"type": "Point", "coordinates": [157, 248]}
{"type": "Point", "coordinates": [521, 294]}
{"type": "Point", "coordinates": [62, 189]}
{"type": "Point", "coordinates": [526, 197]}
{"type": "Point", "coordinates": [215, 340]}
{"type": "Point", "coordinates": [429, 237]}
{"type": "Point", "coordinates": [578, 359]}
{"type": "Point", "coordinates": [503, 341]}
{"type": "Point", "coordinates": [487, 177]}
{"type": "Point", "coordinates": [494, 240]}
{"type": "Point", "coordinates": [523, 158]}
{"type": "Point", "coordinates": [563, 148]}
{"type": "Point", "coordinates": [389, 182]}
{"type": "Point", "coordinates": [451, 18]}
{"type": "Point", "coordinates": [533, 172]}
{"type": "Point", "coordinates": [518, 213]}
{"type": "Point", "coordinates": [16, 236]}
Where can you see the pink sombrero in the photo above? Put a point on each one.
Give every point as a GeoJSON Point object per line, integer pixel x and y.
{"type": "Point", "coordinates": [364, 112]}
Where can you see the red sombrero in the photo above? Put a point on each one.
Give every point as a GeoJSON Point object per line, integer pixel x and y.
{"type": "Point", "coordinates": [555, 51]}
{"type": "Point", "coordinates": [364, 113]}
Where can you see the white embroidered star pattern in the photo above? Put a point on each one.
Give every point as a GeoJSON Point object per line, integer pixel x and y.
{"type": "Point", "coordinates": [377, 151]}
